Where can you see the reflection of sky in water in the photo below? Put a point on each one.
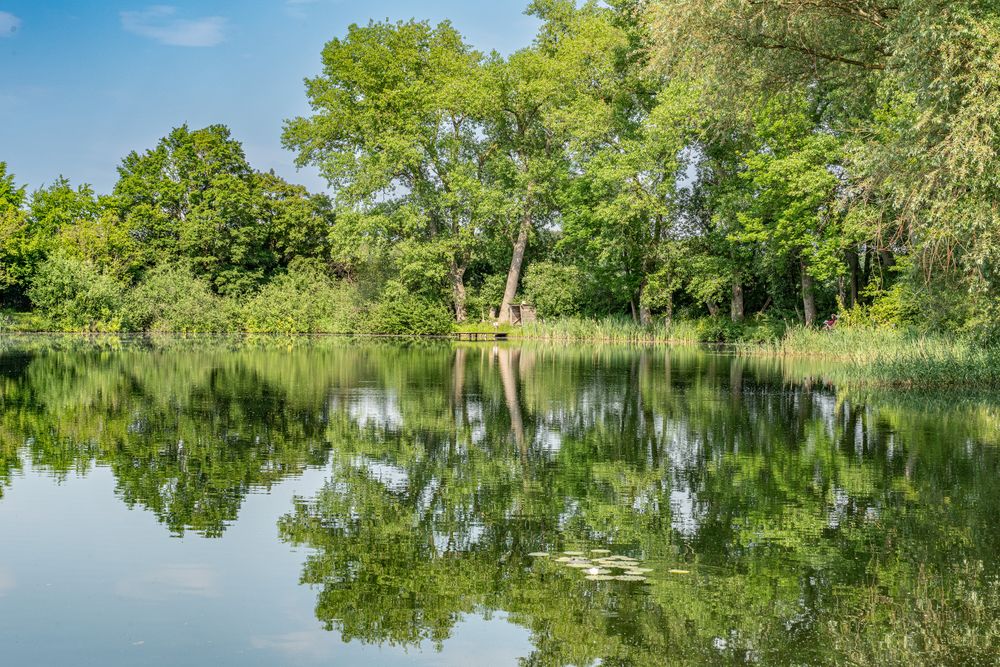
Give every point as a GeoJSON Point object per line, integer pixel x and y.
{"type": "Point", "coordinates": [6, 580]}
{"type": "Point", "coordinates": [86, 581]}
{"type": "Point", "coordinates": [461, 479]}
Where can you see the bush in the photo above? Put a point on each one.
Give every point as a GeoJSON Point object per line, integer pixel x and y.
{"type": "Point", "coordinates": [490, 293]}
{"type": "Point", "coordinates": [401, 312]}
{"type": "Point", "coordinates": [303, 300]}
{"type": "Point", "coordinates": [718, 329]}
{"type": "Point", "coordinates": [556, 290]}
{"type": "Point", "coordinates": [172, 299]}
{"type": "Point", "coordinates": [72, 294]}
{"type": "Point", "coordinates": [762, 328]}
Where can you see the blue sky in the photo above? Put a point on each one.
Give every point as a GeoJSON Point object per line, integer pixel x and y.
{"type": "Point", "coordinates": [82, 83]}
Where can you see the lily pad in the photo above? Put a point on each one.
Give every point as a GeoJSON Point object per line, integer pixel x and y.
{"type": "Point", "coordinates": [539, 554]}
{"type": "Point", "coordinates": [680, 571]}
{"type": "Point", "coordinates": [600, 551]}
{"type": "Point", "coordinates": [630, 577]}
{"type": "Point", "coordinates": [573, 553]}
{"type": "Point", "coordinates": [599, 577]}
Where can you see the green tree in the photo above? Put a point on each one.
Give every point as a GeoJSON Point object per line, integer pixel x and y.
{"type": "Point", "coordinates": [791, 207]}
{"type": "Point", "coordinates": [13, 225]}
{"type": "Point", "coordinates": [195, 197]}
{"type": "Point", "coordinates": [397, 132]}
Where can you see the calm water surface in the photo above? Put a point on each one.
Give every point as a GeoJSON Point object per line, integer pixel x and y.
{"type": "Point", "coordinates": [330, 502]}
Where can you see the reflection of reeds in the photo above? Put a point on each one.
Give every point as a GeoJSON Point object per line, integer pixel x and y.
{"type": "Point", "coordinates": [947, 618]}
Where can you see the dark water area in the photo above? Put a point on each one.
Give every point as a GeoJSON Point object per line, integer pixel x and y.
{"type": "Point", "coordinates": [220, 502]}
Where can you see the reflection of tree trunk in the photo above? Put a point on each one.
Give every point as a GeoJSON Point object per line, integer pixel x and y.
{"type": "Point", "coordinates": [458, 377]}
{"type": "Point", "coordinates": [508, 360]}
{"type": "Point", "coordinates": [808, 296]}
{"type": "Point", "coordinates": [736, 310]}
{"type": "Point", "coordinates": [514, 273]}
{"type": "Point", "coordinates": [668, 376]}
{"type": "Point", "coordinates": [458, 290]}
{"type": "Point", "coordinates": [736, 378]}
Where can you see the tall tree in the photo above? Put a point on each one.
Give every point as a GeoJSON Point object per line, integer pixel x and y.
{"type": "Point", "coordinates": [560, 88]}
{"type": "Point", "coordinates": [397, 132]}
{"type": "Point", "coordinates": [13, 221]}
{"type": "Point", "coordinates": [194, 197]}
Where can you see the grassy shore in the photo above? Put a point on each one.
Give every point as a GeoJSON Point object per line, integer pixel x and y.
{"type": "Point", "coordinates": [858, 356]}
{"type": "Point", "coordinates": [890, 357]}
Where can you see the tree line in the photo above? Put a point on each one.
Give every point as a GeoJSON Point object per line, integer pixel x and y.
{"type": "Point", "coordinates": [652, 159]}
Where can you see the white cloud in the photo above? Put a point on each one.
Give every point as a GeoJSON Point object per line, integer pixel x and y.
{"type": "Point", "coordinates": [9, 24]}
{"type": "Point", "coordinates": [6, 581]}
{"type": "Point", "coordinates": [297, 8]}
{"type": "Point", "coordinates": [160, 23]}
{"type": "Point", "coordinates": [169, 581]}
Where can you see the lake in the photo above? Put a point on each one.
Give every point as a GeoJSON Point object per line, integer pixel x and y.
{"type": "Point", "coordinates": [329, 501]}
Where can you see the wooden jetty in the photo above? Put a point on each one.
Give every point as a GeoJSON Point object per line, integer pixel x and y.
{"type": "Point", "coordinates": [481, 335]}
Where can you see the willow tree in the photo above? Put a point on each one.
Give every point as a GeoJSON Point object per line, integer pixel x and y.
{"type": "Point", "coordinates": [911, 83]}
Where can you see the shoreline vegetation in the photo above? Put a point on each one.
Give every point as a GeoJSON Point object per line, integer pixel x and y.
{"type": "Point", "coordinates": [861, 357]}
{"type": "Point", "coordinates": [636, 163]}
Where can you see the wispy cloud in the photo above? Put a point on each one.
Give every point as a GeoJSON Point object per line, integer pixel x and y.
{"type": "Point", "coordinates": [169, 581]}
{"type": "Point", "coordinates": [6, 581]}
{"type": "Point", "coordinates": [161, 23]}
{"type": "Point", "coordinates": [297, 8]}
{"type": "Point", "coordinates": [8, 24]}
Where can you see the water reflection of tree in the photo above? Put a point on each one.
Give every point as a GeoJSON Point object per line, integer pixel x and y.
{"type": "Point", "coordinates": [791, 499]}
{"type": "Point", "coordinates": [816, 523]}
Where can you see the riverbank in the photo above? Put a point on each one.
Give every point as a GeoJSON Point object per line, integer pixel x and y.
{"type": "Point", "coordinates": [865, 356]}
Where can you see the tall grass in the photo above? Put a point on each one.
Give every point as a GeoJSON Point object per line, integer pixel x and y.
{"type": "Point", "coordinates": [885, 357]}
{"type": "Point", "coordinates": [605, 330]}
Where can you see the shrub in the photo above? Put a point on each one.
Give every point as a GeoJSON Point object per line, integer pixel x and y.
{"type": "Point", "coordinates": [556, 290]}
{"type": "Point", "coordinates": [401, 312]}
{"type": "Point", "coordinates": [172, 299]}
{"type": "Point", "coordinates": [72, 294]}
{"type": "Point", "coordinates": [303, 300]}
{"type": "Point", "coordinates": [718, 329]}
{"type": "Point", "coordinates": [491, 291]}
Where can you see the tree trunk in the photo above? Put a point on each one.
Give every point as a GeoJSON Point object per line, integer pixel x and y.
{"type": "Point", "coordinates": [808, 297]}
{"type": "Point", "coordinates": [886, 261]}
{"type": "Point", "coordinates": [713, 308]}
{"type": "Point", "coordinates": [736, 310]}
{"type": "Point", "coordinates": [852, 279]}
{"type": "Point", "coordinates": [514, 274]}
{"type": "Point", "coordinates": [458, 291]}
{"type": "Point", "coordinates": [866, 274]}
{"type": "Point", "coordinates": [645, 314]}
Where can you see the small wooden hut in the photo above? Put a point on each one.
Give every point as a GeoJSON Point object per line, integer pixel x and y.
{"type": "Point", "coordinates": [522, 313]}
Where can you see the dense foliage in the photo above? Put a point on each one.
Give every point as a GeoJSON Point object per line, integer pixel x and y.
{"type": "Point", "coordinates": [657, 160]}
